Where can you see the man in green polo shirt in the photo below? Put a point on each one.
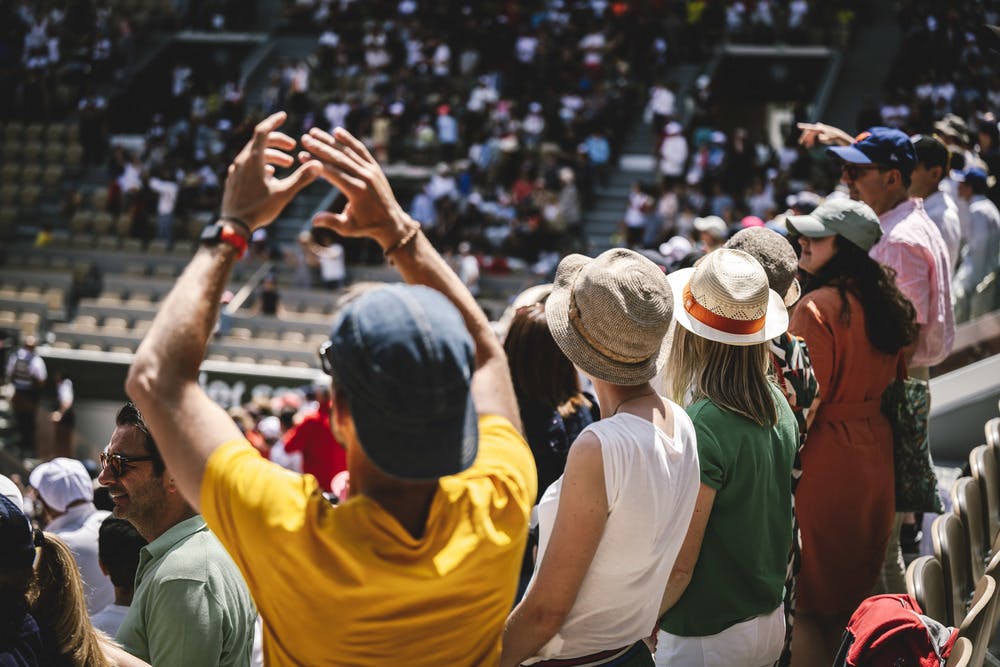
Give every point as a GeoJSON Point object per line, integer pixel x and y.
{"type": "Point", "coordinates": [191, 606]}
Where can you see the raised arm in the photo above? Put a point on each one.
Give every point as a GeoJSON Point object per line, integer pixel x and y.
{"type": "Point", "coordinates": [163, 380]}
{"type": "Point", "coordinates": [373, 212]}
{"type": "Point", "coordinates": [823, 134]}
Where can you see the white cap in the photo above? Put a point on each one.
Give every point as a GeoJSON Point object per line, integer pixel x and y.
{"type": "Point", "coordinates": [676, 248]}
{"type": "Point", "coordinates": [712, 224]}
{"type": "Point", "coordinates": [62, 481]}
{"type": "Point", "coordinates": [270, 428]}
{"type": "Point", "coordinates": [9, 488]}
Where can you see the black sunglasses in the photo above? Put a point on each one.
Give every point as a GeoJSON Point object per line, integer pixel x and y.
{"type": "Point", "coordinates": [324, 360]}
{"type": "Point", "coordinates": [118, 463]}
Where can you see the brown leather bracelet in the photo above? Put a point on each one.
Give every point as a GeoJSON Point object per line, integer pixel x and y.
{"type": "Point", "coordinates": [409, 236]}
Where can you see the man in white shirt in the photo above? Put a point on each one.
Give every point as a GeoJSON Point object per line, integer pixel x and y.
{"type": "Point", "coordinates": [67, 495]}
{"type": "Point", "coordinates": [26, 371]}
{"type": "Point", "coordinates": [981, 254]}
{"type": "Point", "coordinates": [932, 166]}
{"type": "Point", "coordinates": [119, 544]}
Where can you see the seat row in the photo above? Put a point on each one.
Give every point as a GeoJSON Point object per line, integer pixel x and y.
{"type": "Point", "coordinates": [958, 584]}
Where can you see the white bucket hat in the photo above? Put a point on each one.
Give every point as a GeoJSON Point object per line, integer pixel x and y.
{"type": "Point", "coordinates": [725, 298]}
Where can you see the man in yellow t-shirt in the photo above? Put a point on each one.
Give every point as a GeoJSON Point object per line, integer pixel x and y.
{"type": "Point", "coordinates": [420, 566]}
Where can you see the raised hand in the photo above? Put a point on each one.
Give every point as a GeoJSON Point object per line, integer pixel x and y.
{"type": "Point", "coordinates": [372, 210]}
{"type": "Point", "coordinates": [252, 193]}
{"type": "Point", "coordinates": [821, 133]}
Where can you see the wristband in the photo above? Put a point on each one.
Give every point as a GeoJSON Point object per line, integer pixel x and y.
{"type": "Point", "coordinates": [221, 232]}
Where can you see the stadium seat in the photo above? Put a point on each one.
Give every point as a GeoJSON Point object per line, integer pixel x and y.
{"type": "Point", "coordinates": [139, 300]}
{"type": "Point", "coordinates": [141, 326]}
{"type": "Point", "coordinates": [925, 582]}
{"type": "Point", "coordinates": [294, 337]}
{"type": "Point", "coordinates": [104, 224]}
{"type": "Point", "coordinates": [33, 132]}
{"type": "Point", "coordinates": [53, 153]}
{"type": "Point", "coordinates": [7, 318]}
{"type": "Point", "coordinates": [10, 173]}
{"type": "Point", "coordinates": [84, 323]}
{"type": "Point", "coordinates": [107, 242]}
{"type": "Point", "coordinates": [52, 175]}
{"type": "Point", "coordinates": [165, 271]}
{"type": "Point", "coordinates": [951, 549]}
{"type": "Point", "coordinates": [8, 193]}
{"type": "Point", "coordinates": [967, 503]}
{"type": "Point", "coordinates": [116, 324]}
{"type": "Point", "coordinates": [983, 463]}
{"type": "Point", "coordinates": [10, 151]}
{"type": "Point", "coordinates": [268, 361]}
{"type": "Point", "coordinates": [123, 225]}
{"type": "Point", "coordinates": [217, 357]}
{"type": "Point", "coordinates": [961, 653]}
{"type": "Point", "coordinates": [240, 333]}
{"type": "Point", "coordinates": [30, 193]}
{"type": "Point", "coordinates": [132, 245]}
{"type": "Point", "coordinates": [158, 247]}
{"type": "Point", "coordinates": [74, 155]}
{"type": "Point", "coordinates": [81, 222]}
{"type": "Point", "coordinates": [31, 174]}
{"type": "Point", "coordinates": [124, 349]}
{"type": "Point", "coordinates": [243, 359]}
{"type": "Point", "coordinates": [100, 199]}
{"type": "Point", "coordinates": [54, 133]}
{"type": "Point", "coordinates": [136, 268]}
{"type": "Point", "coordinates": [91, 347]}
{"type": "Point", "coordinates": [32, 152]}
{"type": "Point", "coordinates": [977, 626]}
{"type": "Point", "coordinates": [992, 429]}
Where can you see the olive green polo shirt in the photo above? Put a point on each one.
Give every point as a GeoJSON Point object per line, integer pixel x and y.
{"type": "Point", "coordinates": [191, 606]}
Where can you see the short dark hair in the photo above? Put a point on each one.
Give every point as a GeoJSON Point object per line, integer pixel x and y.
{"type": "Point", "coordinates": [129, 415]}
{"type": "Point", "coordinates": [932, 153]}
{"type": "Point", "coordinates": [118, 545]}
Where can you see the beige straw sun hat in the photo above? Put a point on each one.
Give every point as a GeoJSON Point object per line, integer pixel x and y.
{"type": "Point", "coordinates": [725, 298]}
{"type": "Point", "coordinates": [610, 315]}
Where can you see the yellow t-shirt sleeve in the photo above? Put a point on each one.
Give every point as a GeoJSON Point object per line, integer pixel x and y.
{"type": "Point", "coordinates": [505, 456]}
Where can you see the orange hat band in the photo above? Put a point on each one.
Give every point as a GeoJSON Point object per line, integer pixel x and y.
{"type": "Point", "coordinates": [716, 321]}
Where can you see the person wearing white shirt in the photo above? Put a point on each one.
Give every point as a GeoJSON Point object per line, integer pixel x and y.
{"type": "Point", "coordinates": [67, 495]}
{"type": "Point", "coordinates": [932, 167]}
{"type": "Point", "coordinates": [981, 254]}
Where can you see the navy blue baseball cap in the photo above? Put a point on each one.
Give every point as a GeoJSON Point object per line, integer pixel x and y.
{"type": "Point", "coordinates": [17, 539]}
{"type": "Point", "coordinates": [404, 359]}
{"type": "Point", "coordinates": [974, 176]}
{"type": "Point", "coordinates": [884, 146]}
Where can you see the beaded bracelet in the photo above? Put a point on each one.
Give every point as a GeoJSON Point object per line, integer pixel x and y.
{"type": "Point", "coordinates": [409, 236]}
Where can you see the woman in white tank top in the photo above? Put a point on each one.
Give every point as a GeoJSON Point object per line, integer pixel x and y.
{"type": "Point", "coordinates": [611, 527]}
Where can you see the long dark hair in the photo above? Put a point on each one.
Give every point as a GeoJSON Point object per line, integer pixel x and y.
{"type": "Point", "coordinates": [890, 318]}
{"type": "Point", "coordinates": [539, 369]}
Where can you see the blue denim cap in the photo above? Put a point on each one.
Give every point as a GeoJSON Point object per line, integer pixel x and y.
{"type": "Point", "coordinates": [884, 146]}
{"type": "Point", "coordinates": [404, 359]}
{"type": "Point", "coordinates": [17, 544]}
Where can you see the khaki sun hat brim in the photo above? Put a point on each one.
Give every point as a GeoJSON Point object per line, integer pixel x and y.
{"type": "Point", "coordinates": [575, 346]}
{"type": "Point", "coordinates": [775, 320]}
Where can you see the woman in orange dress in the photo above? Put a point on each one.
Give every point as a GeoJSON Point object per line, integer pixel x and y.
{"type": "Point", "coordinates": [857, 325]}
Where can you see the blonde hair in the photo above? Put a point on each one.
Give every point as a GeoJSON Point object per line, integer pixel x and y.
{"type": "Point", "coordinates": [60, 608]}
{"type": "Point", "coordinates": [733, 377]}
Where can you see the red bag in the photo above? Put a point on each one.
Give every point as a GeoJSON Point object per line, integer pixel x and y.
{"type": "Point", "coordinates": [892, 631]}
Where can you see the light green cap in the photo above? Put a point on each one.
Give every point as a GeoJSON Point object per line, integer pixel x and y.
{"type": "Point", "coordinates": [854, 220]}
